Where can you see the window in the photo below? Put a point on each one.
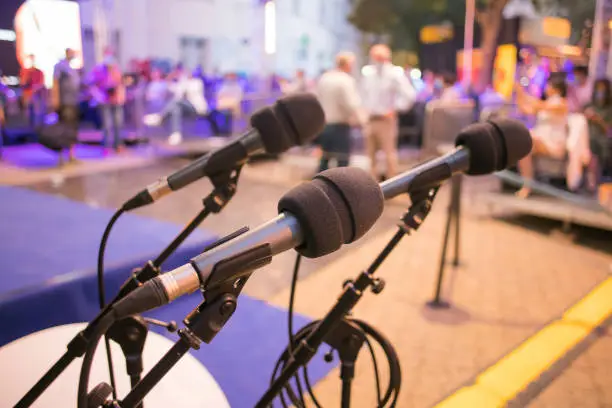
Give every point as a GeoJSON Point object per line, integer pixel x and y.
{"type": "Point", "coordinates": [322, 11]}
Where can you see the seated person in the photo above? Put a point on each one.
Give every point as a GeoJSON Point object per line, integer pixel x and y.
{"type": "Point", "coordinates": [450, 91]}
{"type": "Point", "coordinates": [187, 97]}
{"type": "Point", "coordinates": [599, 116]}
{"type": "Point", "coordinates": [550, 132]}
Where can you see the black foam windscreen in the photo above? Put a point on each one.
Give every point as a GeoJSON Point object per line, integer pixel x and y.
{"type": "Point", "coordinates": [515, 139]}
{"type": "Point", "coordinates": [485, 149]}
{"type": "Point", "coordinates": [318, 217]}
{"type": "Point", "coordinates": [302, 115]}
{"type": "Point", "coordinates": [271, 132]}
{"type": "Point", "coordinates": [361, 195]}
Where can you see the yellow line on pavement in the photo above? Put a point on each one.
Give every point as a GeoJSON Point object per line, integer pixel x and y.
{"type": "Point", "coordinates": [504, 380]}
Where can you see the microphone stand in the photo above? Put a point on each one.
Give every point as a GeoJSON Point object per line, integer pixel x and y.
{"type": "Point", "coordinates": [224, 189]}
{"type": "Point", "coordinates": [201, 326]}
{"type": "Point", "coordinates": [353, 290]}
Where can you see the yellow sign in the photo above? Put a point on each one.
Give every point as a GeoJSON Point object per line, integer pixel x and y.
{"type": "Point", "coordinates": [556, 27]}
{"type": "Point", "coordinates": [504, 68]}
{"type": "Point", "coordinates": [436, 33]}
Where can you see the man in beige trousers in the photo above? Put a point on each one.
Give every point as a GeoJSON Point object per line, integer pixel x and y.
{"type": "Point", "coordinates": [385, 91]}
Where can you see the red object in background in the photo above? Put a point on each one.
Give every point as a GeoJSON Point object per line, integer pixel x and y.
{"type": "Point", "coordinates": [32, 79]}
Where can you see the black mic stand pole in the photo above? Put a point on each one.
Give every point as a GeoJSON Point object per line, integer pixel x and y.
{"type": "Point", "coordinates": [353, 290]}
{"type": "Point", "coordinates": [224, 189]}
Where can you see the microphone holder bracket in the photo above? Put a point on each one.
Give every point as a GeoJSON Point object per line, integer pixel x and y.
{"type": "Point", "coordinates": [206, 320]}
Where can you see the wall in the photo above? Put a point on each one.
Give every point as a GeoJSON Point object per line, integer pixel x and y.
{"type": "Point", "coordinates": [233, 32]}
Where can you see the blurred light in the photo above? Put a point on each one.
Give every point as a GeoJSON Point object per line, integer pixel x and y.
{"type": "Point", "coordinates": [520, 8]}
{"type": "Point", "coordinates": [10, 81]}
{"type": "Point", "coordinates": [415, 73]}
{"type": "Point", "coordinates": [270, 27]}
{"type": "Point", "coordinates": [556, 27]}
{"type": "Point", "coordinates": [45, 28]}
{"type": "Point", "coordinates": [434, 34]}
{"type": "Point", "coordinates": [7, 35]}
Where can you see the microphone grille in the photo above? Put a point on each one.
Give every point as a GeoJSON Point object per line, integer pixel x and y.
{"type": "Point", "coordinates": [485, 149]}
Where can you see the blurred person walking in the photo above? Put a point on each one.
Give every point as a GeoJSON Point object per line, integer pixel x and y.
{"type": "Point", "coordinates": [65, 96]}
{"type": "Point", "coordinates": [338, 94]}
{"type": "Point", "coordinates": [385, 91]}
{"type": "Point", "coordinates": [32, 81]}
{"type": "Point", "coordinates": [108, 92]}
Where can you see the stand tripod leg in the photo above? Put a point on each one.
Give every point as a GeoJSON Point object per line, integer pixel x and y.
{"type": "Point", "coordinates": [436, 302]}
{"type": "Point", "coordinates": [346, 392]}
{"type": "Point", "coordinates": [456, 186]}
{"type": "Point", "coordinates": [131, 333]}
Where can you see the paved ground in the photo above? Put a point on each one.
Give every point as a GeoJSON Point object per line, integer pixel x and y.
{"type": "Point", "coordinates": [517, 274]}
{"type": "Point", "coordinates": [586, 383]}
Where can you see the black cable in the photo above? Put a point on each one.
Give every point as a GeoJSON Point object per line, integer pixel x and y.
{"type": "Point", "coordinates": [294, 279]}
{"type": "Point", "coordinates": [309, 387]}
{"type": "Point", "coordinates": [391, 393]}
{"type": "Point", "coordinates": [298, 400]}
{"type": "Point", "coordinates": [102, 294]}
{"type": "Point", "coordinates": [103, 325]}
{"type": "Point", "coordinates": [376, 372]}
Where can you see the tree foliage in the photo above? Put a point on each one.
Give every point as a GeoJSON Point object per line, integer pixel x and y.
{"type": "Point", "coordinates": [403, 19]}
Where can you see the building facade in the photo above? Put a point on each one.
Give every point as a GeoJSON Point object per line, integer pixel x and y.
{"type": "Point", "coordinates": [221, 35]}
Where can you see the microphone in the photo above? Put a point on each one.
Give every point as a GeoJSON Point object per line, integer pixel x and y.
{"type": "Point", "coordinates": [316, 218]}
{"type": "Point", "coordinates": [482, 148]}
{"type": "Point", "coordinates": [292, 120]}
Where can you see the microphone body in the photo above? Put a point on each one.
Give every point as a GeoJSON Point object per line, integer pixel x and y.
{"type": "Point", "coordinates": [280, 234]}
{"type": "Point", "coordinates": [428, 174]}
{"type": "Point", "coordinates": [292, 120]}
{"type": "Point", "coordinates": [218, 161]}
{"type": "Point", "coordinates": [482, 148]}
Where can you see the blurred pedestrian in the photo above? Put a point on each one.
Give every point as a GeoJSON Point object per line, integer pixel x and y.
{"type": "Point", "coordinates": [337, 91]}
{"type": "Point", "coordinates": [385, 90]}
{"type": "Point", "coordinates": [108, 91]}
{"type": "Point", "coordinates": [32, 81]}
{"type": "Point", "coordinates": [65, 96]}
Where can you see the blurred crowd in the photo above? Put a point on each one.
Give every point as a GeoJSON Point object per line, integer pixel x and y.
{"type": "Point", "coordinates": [569, 113]}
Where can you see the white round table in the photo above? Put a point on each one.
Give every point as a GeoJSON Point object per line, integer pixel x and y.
{"type": "Point", "coordinates": [24, 361]}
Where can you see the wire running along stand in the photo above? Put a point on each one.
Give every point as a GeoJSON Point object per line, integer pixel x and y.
{"type": "Point", "coordinates": [452, 221]}
{"type": "Point", "coordinates": [224, 189]}
{"type": "Point", "coordinates": [334, 328]}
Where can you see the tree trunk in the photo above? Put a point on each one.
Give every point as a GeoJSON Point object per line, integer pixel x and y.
{"type": "Point", "coordinates": [490, 22]}
{"type": "Point", "coordinates": [488, 47]}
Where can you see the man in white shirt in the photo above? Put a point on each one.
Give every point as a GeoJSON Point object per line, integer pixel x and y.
{"type": "Point", "coordinates": [339, 97]}
{"type": "Point", "coordinates": [385, 91]}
